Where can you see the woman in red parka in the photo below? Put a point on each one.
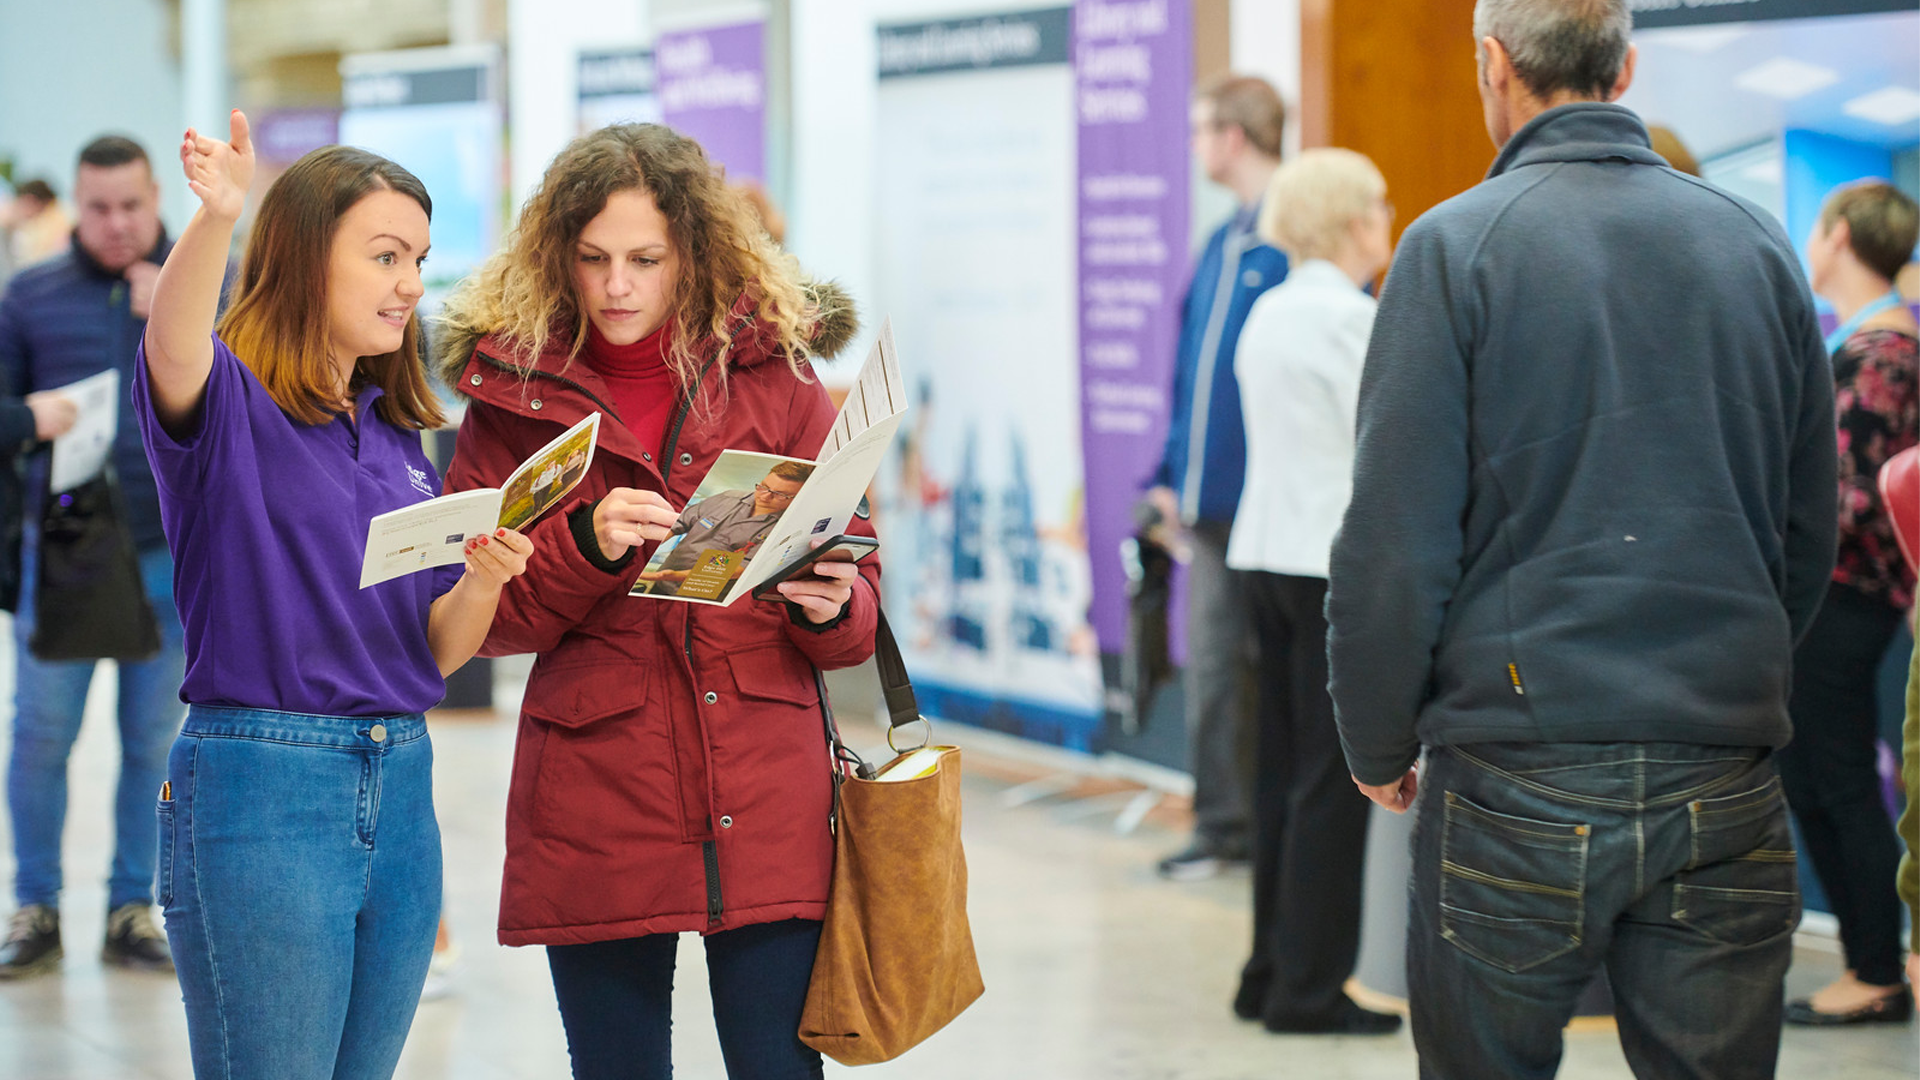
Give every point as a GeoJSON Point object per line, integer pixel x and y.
{"type": "Point", "coordinates": [672, 771]}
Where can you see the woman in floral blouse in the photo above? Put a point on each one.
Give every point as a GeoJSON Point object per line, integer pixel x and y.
{"type": "Point", "coordinates": [1865, 234]}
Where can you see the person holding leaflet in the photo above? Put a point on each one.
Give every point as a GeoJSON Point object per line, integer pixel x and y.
{"type": "Point", "coordinates": [671, 772]}
{"type": "Point", "coordinates": [300, 857]}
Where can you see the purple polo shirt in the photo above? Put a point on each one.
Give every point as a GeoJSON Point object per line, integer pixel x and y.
{"type": "Point", "coordinates": [267, 518]}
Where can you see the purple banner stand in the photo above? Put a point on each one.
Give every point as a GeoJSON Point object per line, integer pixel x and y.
{"type": "Point", "coordinates": [1133, 66]}
{"type": "Point", "coordinates": [713, 87]}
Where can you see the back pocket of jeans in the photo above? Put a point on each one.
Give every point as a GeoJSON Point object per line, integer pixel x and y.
{"type": "Point", "coordinates": [1512, 889]}
{"type": "Point", "coordinates": [1741, 885]}
{"type": "Point", "coordinates": [164, 867]}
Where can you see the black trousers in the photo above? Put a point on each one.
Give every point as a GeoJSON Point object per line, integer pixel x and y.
{"type": "Point", "coordinates": [1309, 821]}
{"type": "Point", "coordinates": [1832, 779]}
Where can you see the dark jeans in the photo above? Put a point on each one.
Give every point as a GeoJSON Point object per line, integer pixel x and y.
{"type": "Point", "coordinates": [1217, 684]}
{"type": "Point", "coordinates": [1832, 777]}
{"type": "Point", "coordinates": [1309, 821]}
{"type": "Point", "coordinates": [616, 1001]}
{"type": "Point", "coordinates": [1536, 864]}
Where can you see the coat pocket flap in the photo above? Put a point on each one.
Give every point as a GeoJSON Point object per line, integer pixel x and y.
{"type": "Point", "coordinates": [774, 673]}
{"type": "Point", "coordinates": [577, 694]}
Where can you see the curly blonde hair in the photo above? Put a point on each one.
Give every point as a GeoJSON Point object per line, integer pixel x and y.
{"type": "Point", "coordinates": [526, 293]}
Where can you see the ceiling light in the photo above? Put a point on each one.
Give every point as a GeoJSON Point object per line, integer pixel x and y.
{"type": "Point", "coordinates": [1889, 105]}
{"type": "Point", "coordinates": [1770, 171]}
{"type": "Point", "coordinates": [1699, 39]}
{"type": "Point", "coordinates": [1786, 78]}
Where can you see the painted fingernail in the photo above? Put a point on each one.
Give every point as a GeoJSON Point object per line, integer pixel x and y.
{"type": "Point", "coordinates": [500, 533]}
{"type": "Point", "coordinates": [483, 540]}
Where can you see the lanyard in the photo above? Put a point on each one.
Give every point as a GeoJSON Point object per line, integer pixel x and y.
{"type": "Point", "coordinates": [1845, 330]}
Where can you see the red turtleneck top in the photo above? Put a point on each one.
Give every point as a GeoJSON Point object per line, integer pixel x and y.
{"type": "Point", "coordinates": [639, 379]}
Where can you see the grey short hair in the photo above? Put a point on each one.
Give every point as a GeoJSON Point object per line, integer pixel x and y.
{"type": "Point", "coordinates": [1560, 45]}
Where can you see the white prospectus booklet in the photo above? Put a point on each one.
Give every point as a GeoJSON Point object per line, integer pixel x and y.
{"type": "Point", "coordinates": [435, 532]}
{"type": "Point", "coordinates": [81, 453]}
{"type": "Point", "coordinates": [724, 544]}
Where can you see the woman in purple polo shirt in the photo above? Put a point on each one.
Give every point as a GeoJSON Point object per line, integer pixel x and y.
{"type": "Point", "coordinates": [300, 858]}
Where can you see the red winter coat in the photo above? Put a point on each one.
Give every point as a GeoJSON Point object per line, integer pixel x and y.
{"type": "Point", "coordinates": [671, 771]}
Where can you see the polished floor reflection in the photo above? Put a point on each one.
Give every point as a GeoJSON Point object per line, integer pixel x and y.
{"type": "Point", "coordinates": [1095, 969]}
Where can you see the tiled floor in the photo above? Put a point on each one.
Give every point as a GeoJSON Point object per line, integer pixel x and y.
{"type": "Point", "coordinates": [1095, 969]}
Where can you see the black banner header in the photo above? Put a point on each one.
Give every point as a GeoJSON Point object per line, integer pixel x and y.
{"type": "Point", "coordinates": [1015, 39]}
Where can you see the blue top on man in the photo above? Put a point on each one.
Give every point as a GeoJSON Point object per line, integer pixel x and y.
{"type": "Point", "coordinates": [1237, 126]}
{"type": "Point", "coordinates": [1204, 461]}
{"type": "Point", "coordinates": [82, 312]}
{"type": "Point", "coordinates": [75, 315]}
{"type": "Point", "coordinates": [1593, 508]}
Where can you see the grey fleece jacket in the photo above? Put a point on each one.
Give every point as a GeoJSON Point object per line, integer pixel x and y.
{"type": "Point", "coordinates": [1594, 493]}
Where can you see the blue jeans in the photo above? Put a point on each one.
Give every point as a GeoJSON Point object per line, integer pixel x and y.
{"type": "Point", "coordinates": [300, 873]}
{"type": "Point", "coordinates": [49, 698]}
{"type": "Point", "coordinates": [1534, 865]}
{"type": "Point", "coordinates": [616, 1000]}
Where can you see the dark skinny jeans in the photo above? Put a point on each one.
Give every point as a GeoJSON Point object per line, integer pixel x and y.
{"type": "Point", "coordinates": [616, 1002]}
{"type": "Point", "coordinates": [1832, 777]}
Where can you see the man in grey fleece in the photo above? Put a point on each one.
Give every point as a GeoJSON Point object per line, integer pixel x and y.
{"type": "Point", "coordinates": [1593, 509]}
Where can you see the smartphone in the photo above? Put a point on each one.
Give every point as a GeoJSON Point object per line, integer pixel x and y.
{"type": "Point", "coordinates": [842, 548]}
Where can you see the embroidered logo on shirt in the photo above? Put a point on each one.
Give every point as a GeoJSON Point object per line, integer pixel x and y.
{"type": "Point", "coordinates": [418, 477]}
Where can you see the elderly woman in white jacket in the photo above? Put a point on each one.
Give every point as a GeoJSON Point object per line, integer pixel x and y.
{"type": "Point", "coordinates": [1299, 366]}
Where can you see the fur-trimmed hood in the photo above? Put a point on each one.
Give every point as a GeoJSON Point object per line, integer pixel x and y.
{"type": "Point", "coordinates": [835, 324]}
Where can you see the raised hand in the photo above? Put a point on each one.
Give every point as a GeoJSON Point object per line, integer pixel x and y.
{"type": "Point", "coordinates": [220, 172]}
{"type": "Point", "coordinates": [141, 277]}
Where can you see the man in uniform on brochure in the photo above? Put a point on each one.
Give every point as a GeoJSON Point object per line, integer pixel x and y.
{"type": "Point", "coordinates": [730, 521]}
{"type": "Point", "coordinates": [1592, 511]}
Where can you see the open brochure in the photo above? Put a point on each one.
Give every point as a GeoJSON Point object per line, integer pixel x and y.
{"type": "Point", "coordinates": [754, 514]}
{"type": "Point", "coordinates": [81, 453]}
{"type": "Point", "coordinates": [435, 532]}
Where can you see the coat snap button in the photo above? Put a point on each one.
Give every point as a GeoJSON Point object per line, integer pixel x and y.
{"type": "Point", "coordinates": [726, 822]}
{"type": "Point", "coordinates": [686, 459]}
{"type": "Point", "coordinates": [712, 697]}
{"type": "Point", "coordinates": [474, 378]}
{"type": "Point", "coordinates": [379, 733]}
{"type": "Point", "coordinates": [644, 456]}
{"type": "Point", "coordinates": [534, 404]}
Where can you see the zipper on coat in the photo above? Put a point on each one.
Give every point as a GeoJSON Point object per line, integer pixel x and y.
{"type": "Point", "coordinates": [1200, 408]}
{"type": "Point", "coordinates": [712, 854]}
{"type": "Point", "coordinates": [673, 439]}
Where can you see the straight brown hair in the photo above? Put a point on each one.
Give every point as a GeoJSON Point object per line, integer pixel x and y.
{"type": "Point", "coordinates": [1250, 104]}
{"type": "Point", "coordinates": [1882, 224]}
{"type": "Point", "coordinates": [277, 323]}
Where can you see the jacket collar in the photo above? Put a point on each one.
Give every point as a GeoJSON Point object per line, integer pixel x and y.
{"type": "Point", "coordinates": [1586, 131]}
{"type": "Point", "coordinates": [1321, 274]}
{"type": "Point", "coordinates": [85, 260]}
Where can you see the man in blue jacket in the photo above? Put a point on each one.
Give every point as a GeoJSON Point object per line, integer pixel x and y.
{"type": "Point", "coordinates": [1237, 124]}
{"type": "Point", "coordinates": [75, 315]}
{"type": "Point", "coordinates": [1593, 508]}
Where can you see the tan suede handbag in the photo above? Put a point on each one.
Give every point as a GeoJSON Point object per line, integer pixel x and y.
{"type": "Point", "coordinates": [896, 960]}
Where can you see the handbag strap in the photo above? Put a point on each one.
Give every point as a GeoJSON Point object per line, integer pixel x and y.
{"type": "Point", "coordinates": [896, 688]}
